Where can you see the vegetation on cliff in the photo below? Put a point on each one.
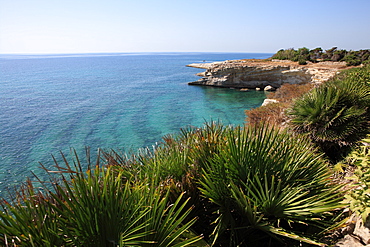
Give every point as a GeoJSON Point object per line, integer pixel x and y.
{"type": "Point", "coordinates": [254, 186]}
{"type": "Point", "coordinates": [302, 55]}
{"type": "Point", "coordinates": [274, 113]}
{"type": "Point", "coordinates": [359, 198]}
{"type": "Point", "coordinates": [336, 114]}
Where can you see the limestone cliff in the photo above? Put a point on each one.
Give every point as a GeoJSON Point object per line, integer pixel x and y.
{"type": "Point", "coordinates": [254, 73]}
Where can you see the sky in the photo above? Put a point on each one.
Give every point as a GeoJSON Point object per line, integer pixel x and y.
{"type": "Point", "coordinates": [95, 26]}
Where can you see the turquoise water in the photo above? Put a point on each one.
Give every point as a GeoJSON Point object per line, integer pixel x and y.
{"type": "Point", "coordinates": [50, 103]}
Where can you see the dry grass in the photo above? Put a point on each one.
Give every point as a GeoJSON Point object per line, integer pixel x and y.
{"type": "Point", "coordinates": [274, 113]}
{"type": "Point", "coordinates": [288, 92]}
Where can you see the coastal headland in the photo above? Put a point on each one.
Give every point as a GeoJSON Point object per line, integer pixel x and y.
{"type": "Point", "coordinates": [259, 74]}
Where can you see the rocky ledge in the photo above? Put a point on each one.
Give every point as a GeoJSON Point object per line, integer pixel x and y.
{"type": "Point", "coordinates": [255, 73]}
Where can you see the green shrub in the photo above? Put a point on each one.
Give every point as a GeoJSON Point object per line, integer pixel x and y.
{"type": "Point", "coordinates": [268, 185]}
{"type": "Point", "coordinates": [353, 58]}
{"type": "Point", "coordinates": [356, 75]}
{"type": "Point", "coordinates": [98, 208]}
{"type": "Point", "coordinates": [288, 54]}
{"type": "Point", "coordinates": [359, 196]}
{"type": "Point", "coordinates": [335, 115]}
{"type": "Point", "coordinates": [302, 61]}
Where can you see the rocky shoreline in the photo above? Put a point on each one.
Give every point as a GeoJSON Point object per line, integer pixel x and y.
{"type": "Point", "coordinates": [256, 73]}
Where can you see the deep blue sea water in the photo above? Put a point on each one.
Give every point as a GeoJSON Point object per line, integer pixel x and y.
{"type": "Point", "coordinates": [51, 103]}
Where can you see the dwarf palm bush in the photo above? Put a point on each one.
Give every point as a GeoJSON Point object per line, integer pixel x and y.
{"type": "Point", "coordinates": [84, 213]}
{"type": "Point", "coordinates": [254, 183]}
{"type": "Point", "coordinates": [178, 164]}
{"type": "Point", "coordinates": [335, 116]}
{"type": "Point", "coordinates": [181, 157]}
{"type": "Point", "coordinates": [268, 184]}
{"type": "Point", "coordinates": [356, 74]}
{"type": "Point", "coordinates": [29, 221]}
{"type": "Point", "coordinates": [98, 208]}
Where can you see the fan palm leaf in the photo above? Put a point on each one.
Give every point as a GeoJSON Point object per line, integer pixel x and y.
{"type": "Point", "coordinates": [265, 180]}
{"type": "Point", "coordinates": [335, 114]}
{"type": "Point", "coordinates": [100, 207]}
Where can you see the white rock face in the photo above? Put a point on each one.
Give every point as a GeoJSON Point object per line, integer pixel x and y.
{"type": "Point", "coordinates": [259, 74]}
{"type": "Point", "coordinates": [269, 88]}
{"type": "Point", "coordinates": [356, 234]}
{"type": "Point", "coordinates": [269, 101]}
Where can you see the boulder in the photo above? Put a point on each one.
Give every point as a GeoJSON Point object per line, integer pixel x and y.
{"type": "Point", "coordinates": [355, 234]}
{"type": "Point", "coordinates": [349, 241]}
{"type": "Point", "coordinates": [269, 101]}
{"type": "Point", "coordinates": [269, 88]}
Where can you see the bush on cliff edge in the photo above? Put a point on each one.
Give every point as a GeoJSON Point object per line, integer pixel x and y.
{"type": "Point", "coordinates": [335, 115]}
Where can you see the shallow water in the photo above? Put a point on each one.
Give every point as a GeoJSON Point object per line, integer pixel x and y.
{"type": "Point", "coordinates": [50, 103]}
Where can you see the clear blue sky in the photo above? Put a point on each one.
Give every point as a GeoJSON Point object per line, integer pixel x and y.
{"type": "Point", "coordinates": [80, 26]}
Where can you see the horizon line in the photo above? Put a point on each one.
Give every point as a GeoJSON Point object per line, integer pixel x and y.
{"type": "Point", "coordinates": [141, 52]}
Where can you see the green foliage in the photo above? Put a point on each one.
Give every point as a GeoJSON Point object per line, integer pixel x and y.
{"type": "Point", "coordinates": [359, 196]}
{"type": "Point", "coordinates": [258, 185]}
{"type": "Point", "coordinates": [30, 221]}
{"type": "Point", "coordinates": [316, 54]}
{"type": "Point", "coordinates": [301, 55]}
{"type": "Point", "coordinates": [167, 221]}
{"type": "Point", "coordinates": [335, 115]}
{"type": "Point", "coordinates": [356, 75]}
{"type": "Point", "coordinates": [288, 54]}
{"type": "Point", "coordinates": [97, 208]}
{"type": "Point", "coordinates": [352, 58]}
{"type": "Point", "coordinates": [267, 184]}
{"type": "Point", "coordinates": [302, 61]}
{"type": "Point", "coordinates": [338, 55]}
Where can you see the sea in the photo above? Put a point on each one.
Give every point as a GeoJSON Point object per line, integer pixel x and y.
{"type": "Point", "coordinates": [118, 101]}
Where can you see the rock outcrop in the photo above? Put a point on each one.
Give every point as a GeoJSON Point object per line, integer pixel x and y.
{"type": "Point", "coordinates": [355, 234]}
{"type": "Point", "coordinates": [254, 73]}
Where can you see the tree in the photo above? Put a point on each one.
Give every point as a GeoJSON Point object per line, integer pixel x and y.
{"type": "Point", "coordinates": [329, 53]}
{"type": "Point", "coordinates": [338, 55]}
{"type": "Point", "coordinates": [315, 54]}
